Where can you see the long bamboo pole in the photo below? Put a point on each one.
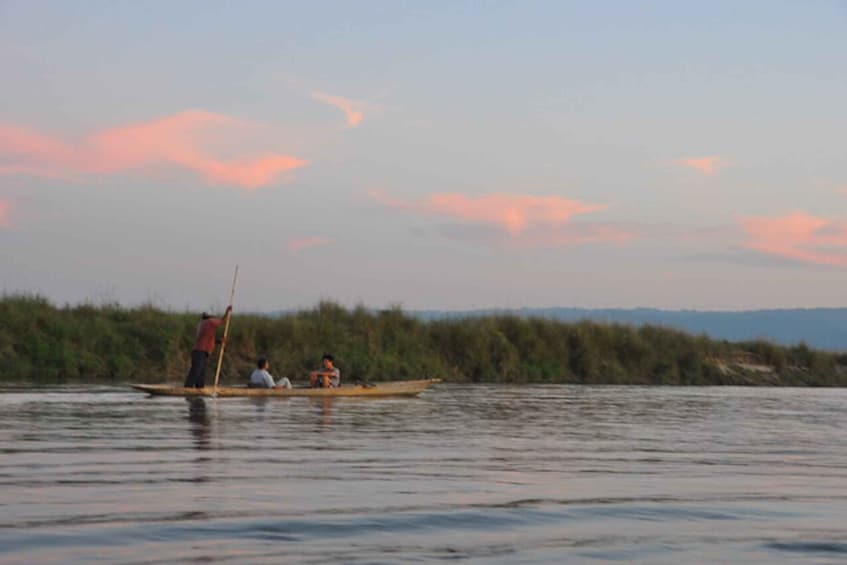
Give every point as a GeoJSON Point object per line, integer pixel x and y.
{"type": "Point", "coordinates": [226, 330]}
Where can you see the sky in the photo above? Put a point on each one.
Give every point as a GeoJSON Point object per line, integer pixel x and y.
{"type": "Point", "coordinates": [429, 155]}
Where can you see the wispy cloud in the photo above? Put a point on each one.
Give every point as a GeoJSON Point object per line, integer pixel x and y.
{"type": "Point", "coordinates": [176, 140]}
{"type": "Point", "coordinates": [354, 111]}
{"type": "Point", "coordinates": [544, 236]}
{"type": "Point", "coordinates": [297, 245]}
{"type": "Point", "coordinates": [798, 236]}
{"type": "Point", "coordinates": [4, 214]}
{"type": "Point", "coordinates": [706, 165]}
{"type": "Point", "coordinates": [511, 212]}
{"type": "Point", "coordinates": [522, 219]}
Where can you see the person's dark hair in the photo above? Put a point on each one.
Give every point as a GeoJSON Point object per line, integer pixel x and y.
{"type": "Point", "coordinates": [205, 316]}
{"type": "Point", "coordinates": [260, 362]}
{"type": "Point", "coordinates": [328, 357]}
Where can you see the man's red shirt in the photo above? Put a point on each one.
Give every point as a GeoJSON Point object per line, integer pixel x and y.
{"type": "Point", "coordinates": [206, 335]}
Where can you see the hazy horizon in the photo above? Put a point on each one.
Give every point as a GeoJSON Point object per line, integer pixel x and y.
{"type": "Point", "coordinates": [106, 300]}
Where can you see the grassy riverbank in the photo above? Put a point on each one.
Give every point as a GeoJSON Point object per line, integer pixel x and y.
{"type": "Point", "coordinates": [40, 342]}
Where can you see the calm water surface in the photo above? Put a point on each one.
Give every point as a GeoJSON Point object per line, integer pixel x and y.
{"type": "Point", "coordinates": [479, 474]}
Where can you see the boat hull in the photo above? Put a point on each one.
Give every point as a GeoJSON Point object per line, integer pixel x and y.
{"type": "Point", "coordinates": [395, 388]}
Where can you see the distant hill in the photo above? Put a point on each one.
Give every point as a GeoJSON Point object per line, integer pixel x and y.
{"type": "Point", "coordinates": [822, 328]}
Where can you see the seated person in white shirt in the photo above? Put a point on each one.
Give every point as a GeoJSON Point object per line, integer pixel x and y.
{"type": "Point", "coordinates": [261, 378]}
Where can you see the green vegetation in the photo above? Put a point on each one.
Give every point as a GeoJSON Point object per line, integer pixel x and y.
{"type": "Point", "coordinates": [40, 342]}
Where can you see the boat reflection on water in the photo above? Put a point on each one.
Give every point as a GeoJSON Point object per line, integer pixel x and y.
{"type": "Point", "coordinates": [323, 407]}
{"type": "Point", "coordinates": [199, 422]}
{"type": "Point", "coordinates": [260, 402]}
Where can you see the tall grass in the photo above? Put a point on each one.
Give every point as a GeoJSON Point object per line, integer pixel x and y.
{"type": "Point", "coordinates": [40, 342]}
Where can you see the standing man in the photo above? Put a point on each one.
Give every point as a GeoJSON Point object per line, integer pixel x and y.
{"type": "Point", "coordinates": [204, 344]}
{"type": "Point", "coordinates": [326, 377]}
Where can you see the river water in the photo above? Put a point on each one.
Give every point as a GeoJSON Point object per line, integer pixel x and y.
{"type": "Point", "coordinates": [478, 474]}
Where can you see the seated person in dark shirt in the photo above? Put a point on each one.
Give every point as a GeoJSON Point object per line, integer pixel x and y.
{"type": "Point", "coordinates": [326, 377]}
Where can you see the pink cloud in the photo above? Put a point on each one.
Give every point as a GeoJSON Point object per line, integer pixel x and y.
{"type": "Point", "coordinates": [176, 140]}
{"type": "Point", "coordinates": [512, 213]}
{"type": "Point", "coordinates": [4, 214]}
{"type": "Point", "coordinates": [296, 245]}
{"type": "Point", "coordinates": [524, 220]}
{"type": "Point", "coordinates": [353, 110]}
{"type": "Point", "coordinates": [705, 165]}
{"type": "Point", "coordinates": [799, 236]}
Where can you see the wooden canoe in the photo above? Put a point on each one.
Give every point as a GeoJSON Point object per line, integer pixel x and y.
{"type": "Point", "coordinates": [395, 388]}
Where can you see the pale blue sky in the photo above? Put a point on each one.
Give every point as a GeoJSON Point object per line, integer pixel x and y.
{"type": "Point", "coordinates": [702, 142]}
